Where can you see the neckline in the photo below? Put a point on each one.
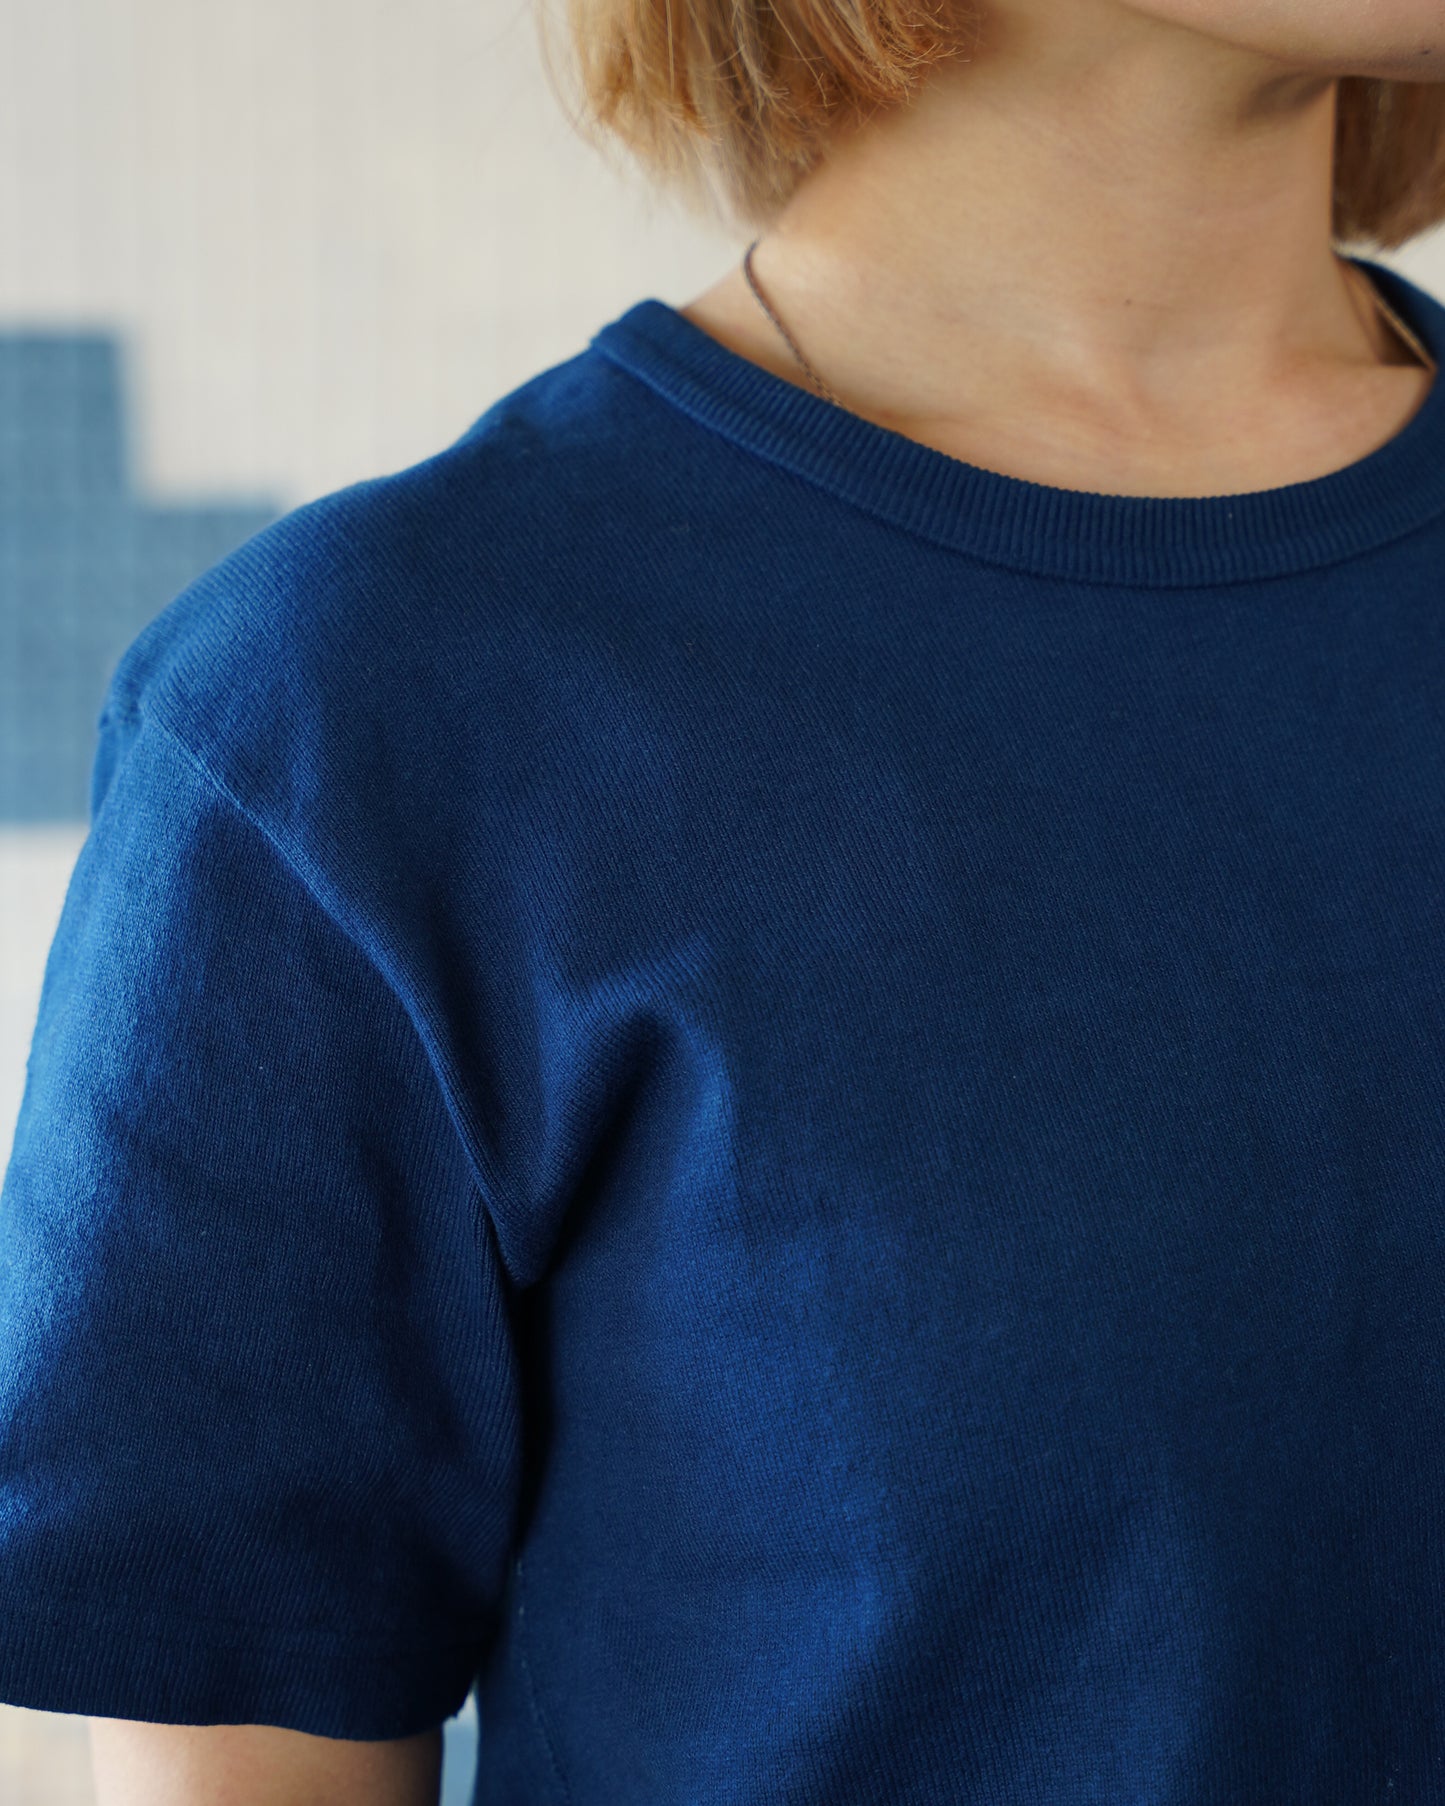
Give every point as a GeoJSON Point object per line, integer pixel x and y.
{"type": "Point", "coordinates": [1086, 535]}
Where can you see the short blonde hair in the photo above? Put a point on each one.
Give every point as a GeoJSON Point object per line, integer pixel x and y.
{"type": "Point", "coordinates": [730, 102]}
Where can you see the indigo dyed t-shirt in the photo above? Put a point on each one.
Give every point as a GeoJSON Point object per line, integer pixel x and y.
{"type": "Point", "coordinates": [777, 1096]}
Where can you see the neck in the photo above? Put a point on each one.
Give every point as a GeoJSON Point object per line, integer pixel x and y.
{"type": "Point", "coordinates": [1094, 211]}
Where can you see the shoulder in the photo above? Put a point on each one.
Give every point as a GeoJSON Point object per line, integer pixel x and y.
{"type": "Point", "coordinates": [368, 617]}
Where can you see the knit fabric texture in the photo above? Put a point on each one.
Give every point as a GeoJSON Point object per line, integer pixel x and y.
{"type": "Point", "coordinates": [777, 1096]}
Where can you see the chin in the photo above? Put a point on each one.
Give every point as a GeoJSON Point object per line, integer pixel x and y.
{"type": "Point", "coordinates": [1391, 40]}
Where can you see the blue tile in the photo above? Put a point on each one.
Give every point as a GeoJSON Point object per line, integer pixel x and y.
{"type": "Point", "coordinates": [85, 562]}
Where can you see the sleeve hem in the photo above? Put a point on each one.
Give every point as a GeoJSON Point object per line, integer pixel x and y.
{"type": "Point", "coordinates": [330, 1684]}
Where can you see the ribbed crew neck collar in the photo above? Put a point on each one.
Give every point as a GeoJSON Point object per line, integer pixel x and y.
{"type": "Point", "coordinates": [1081, 534]}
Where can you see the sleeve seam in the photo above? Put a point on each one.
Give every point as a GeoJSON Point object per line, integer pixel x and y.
{"type": "Point", "coordinates": [483, 1180]}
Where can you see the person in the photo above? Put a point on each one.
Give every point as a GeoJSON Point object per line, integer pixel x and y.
{"type": "Point", "coordinates": [756, 1059]}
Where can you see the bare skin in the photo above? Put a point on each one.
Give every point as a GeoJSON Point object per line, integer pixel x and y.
{"type": "Point", "coordinates": [138, 1764]}
{"type": "Point", "coordinates": [1096, 253]}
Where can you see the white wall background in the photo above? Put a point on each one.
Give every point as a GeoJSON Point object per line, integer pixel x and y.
{"type": "Point", "coordinates": [333, 230]}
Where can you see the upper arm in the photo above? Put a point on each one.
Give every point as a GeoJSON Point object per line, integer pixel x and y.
{"type": "Point", "coordinates": [137, 1764]}
{"type": "Point", "coordinates": [260, 1399]}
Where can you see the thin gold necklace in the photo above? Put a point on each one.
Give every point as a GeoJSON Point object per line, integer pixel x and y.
{"type": "Point", "coordinates": [1389, 314]}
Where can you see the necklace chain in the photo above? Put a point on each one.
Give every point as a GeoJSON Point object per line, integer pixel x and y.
{"type": "Point", "coordinates": [1388, 312]}
{"type": "Point", "coordinates": [812, 374]}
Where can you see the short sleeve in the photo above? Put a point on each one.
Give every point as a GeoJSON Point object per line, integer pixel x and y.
{"type": "Point", "coordinates": [259, 1431]}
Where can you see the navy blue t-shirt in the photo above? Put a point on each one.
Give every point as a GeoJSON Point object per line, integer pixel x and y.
{"type": "Point", "coordinates": [783, 1098]}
